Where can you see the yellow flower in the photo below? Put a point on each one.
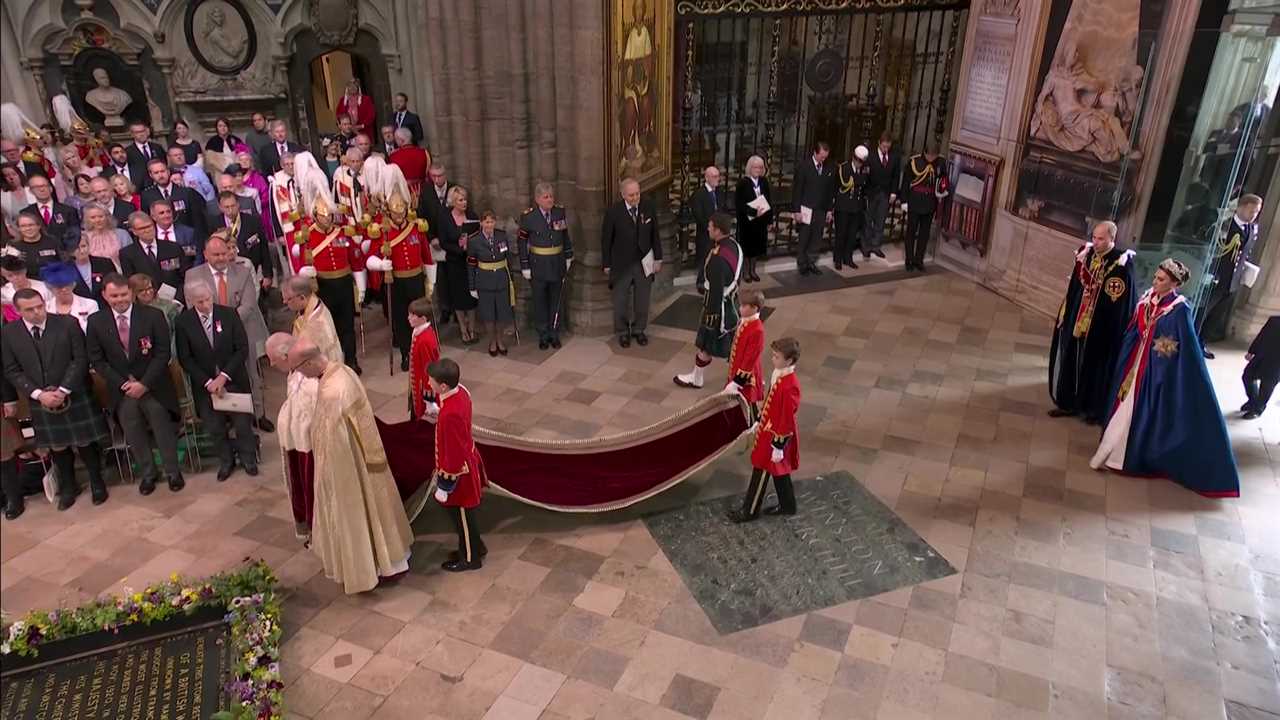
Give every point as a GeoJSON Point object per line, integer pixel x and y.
{"type": "Point", "coordinates": [137, 597]}
{"type": "Point", "coordinates": [173, 577]}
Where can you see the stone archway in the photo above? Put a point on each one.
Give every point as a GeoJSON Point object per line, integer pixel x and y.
{"type": "Point", "coordinates": [367, 64]}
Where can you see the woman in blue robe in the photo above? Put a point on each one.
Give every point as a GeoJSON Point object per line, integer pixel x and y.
{"type": "Point", "coordinates": [1165, 420]}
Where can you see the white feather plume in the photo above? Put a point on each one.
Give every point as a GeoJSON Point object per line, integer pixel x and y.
{"type": "Point", "coordinates": [311, 181]}
{"type": "Point", "coordinates": [63, 112]}
{"type": "Point", "coordinates": [14, 122]}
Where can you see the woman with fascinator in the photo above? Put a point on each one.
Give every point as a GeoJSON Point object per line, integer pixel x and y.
{"type": "Point", "coordinates": [1165, 420]}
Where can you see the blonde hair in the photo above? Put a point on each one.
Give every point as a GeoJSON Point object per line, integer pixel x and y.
{"type": "Point", "coordinates": [754, 160]}
{"type": "Point", "coordinates": [452, 196]}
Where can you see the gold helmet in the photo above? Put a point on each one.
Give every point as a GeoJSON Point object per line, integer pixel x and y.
{"type": "Point", "coordinates": [397, 204]}
{"type": "Point", "coordinates": [32, 135]}
{"type": "Point", "coordinates": [320, 209]}
{"type": "Point", "coordinates": [80, 127]}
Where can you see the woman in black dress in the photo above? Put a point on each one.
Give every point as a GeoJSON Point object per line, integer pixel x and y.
{"type": "Point", "coordinates": [222, 140]}
{"type": "Point", "coordinates": [182, 139]}
{"type": "Point", "coordinates": [455, 226]}
{"type": "Point", "coordinates": [753, 227]}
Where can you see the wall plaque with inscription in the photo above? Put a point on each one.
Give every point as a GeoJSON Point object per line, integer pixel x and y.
{"type": "Point", "coordinates": [178, 675]}
{"type": "Point", "coordinates": [993, 43]}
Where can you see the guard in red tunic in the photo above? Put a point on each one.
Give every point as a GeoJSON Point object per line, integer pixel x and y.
{"type": "Point", "coordinates": [459, 471]}
{"type": "Point", "coordinates": [777, 448]}
{"type": "Point", "coordinates": [399, 248]}
{"type": "Point", "coordinates": [425, 350]}
{"type": "Point", "coordinates": [331, 254]}
{"type": "Point", "coordinates": [745, 376]}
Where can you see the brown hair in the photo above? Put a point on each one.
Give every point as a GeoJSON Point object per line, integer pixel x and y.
{"type": "Point", "coordinates": [445, 371]}
{"type": "Point", "coordinates": [421, 307]}
{"type": "Point", "coordinates": [754, 298]}
{"type": "Point", "coordinates": [789, 347]}
{"type": "Point", "coordinates": [1249, 200]}
{"type": "Point", "coordinates": [488, 214]}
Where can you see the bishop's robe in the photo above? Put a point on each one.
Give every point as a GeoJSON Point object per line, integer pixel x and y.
{"type": "Point", "coordinates": [1091, 322]}
{"type": "Point", "coordinates": [1165, 419]}
{"type": "Point", "coordinates": [359, 528]}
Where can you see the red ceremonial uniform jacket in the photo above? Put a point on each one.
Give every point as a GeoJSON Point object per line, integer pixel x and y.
{"type": "Point", "coordinates": [777, 427]}
{"type": "Point", "coordinates": [457, 458]}
{"type": "Point", "coordinates": [406, 246]}
{"type": "Point", "coordinates": [413, 161]}
{"type": "Point", "coordinates": [333, 253]}
{"type": "Point", "coordinates": [424, 351]}
{"type": "Point", "coordinates": [744, 359]}
{"type": "Point", "coordinates": [361, 114]}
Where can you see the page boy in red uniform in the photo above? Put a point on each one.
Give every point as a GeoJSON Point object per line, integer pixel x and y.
{"type": "Point", "coordinates": [424, 351]}
{"type": "Point", "coordinates": [745, 376]}
{"type": "Point", "coordinates": [777, 449]}
{"type": "Point", "coordinates": [459, 469]}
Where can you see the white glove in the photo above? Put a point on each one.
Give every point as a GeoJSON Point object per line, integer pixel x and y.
{"type": "Point", "coordinates": [904, 207]}
{"type": "Point", "coordinates": [568, 265]}
{"type": "Point", "coordinates": [297, 250]}
{"type": "Point", "coordinates": [364, 247]}
{"type": "Point", "coordinates": [431, 412]}
{"type": "Point", "coordinates": [308, 271]}
{"type": "Point", "coordinates": [431, 274]}
{"type": "Point", "coordinates": [776, 456]}
{"type": "Point", "coordinates": [373, 263]}
{"type": "Point", "coordinates": [475, 294]}
{"type": "Point", "coordinates": [730, 389]}
{"type": "Point", "coordinates": [528, 274]}
{"type": "Point", "coordinates": [362, 284]}
{"type": "Point", "coordinates": [441, 496]}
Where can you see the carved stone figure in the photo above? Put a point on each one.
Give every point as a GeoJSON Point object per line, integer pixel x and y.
{"type": "Point", "coordinates": [223, 46]}
{"type": "Point", "coordinates": [108, 100]}
{"type": "Point", "coordinates": [1078, 112]}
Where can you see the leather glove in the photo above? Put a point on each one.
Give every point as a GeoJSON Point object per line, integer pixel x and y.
{"type": "Point", "coordinates": [528, 274]}
{"type": "Point", "coordinates": [441, 496]}
{"type": "Point", "coordinates": [776, 456]}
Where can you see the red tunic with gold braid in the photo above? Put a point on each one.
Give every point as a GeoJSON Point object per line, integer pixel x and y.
{"type": "Point", "coordinates": [424, 351]}
{"type": "Point", "coordinates": [333, 253]}
{"type": "Point", "coordinates": [459, 469]}
{"type": "Point", "coordinates": [406, 246]}
{"type": "Point", "coordinates": [90, 152]}
{"type": "Point", "coordinates": [367, 222]}
{"type": "Point", "coordinates": [744, 359]}
{"type": "Point", "coordinates": [777, 427]}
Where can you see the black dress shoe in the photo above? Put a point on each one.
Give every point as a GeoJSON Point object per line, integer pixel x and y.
{"type": "Point", "coordinates": [878, 253]}
{"type": "Point", "coordinates": [1208, 354]}
{"type": "Point", "coordinates": [755, 276]}
{"type": "Point", "coordinates": [1251, 414]}
{"type": "Point", "coordinates": [852, 265]}
{"type": "Point", "coordinates": [866, 255]}
{"type": "Point", "coordinates": [543, 344]}
{"type": "Point", "coordinates": [804, 270]}
{"type": "Point", "coordinates": [702, 290]}
{"type": "Point", "coordinates": [461, 565]}
{"type": "Point", "coordinates": [777, 510]}
{"type": "Point", "coordinates": [839, 265]}
{"type": "Point", "coordinates": [14, 509]}
{"type": "Point", "coordinates": [65, 501]}
{"type": "Point", "coordinates": [265, 425]}
{"type": "Point", "coordinates": [1059, 412]}
{"type": "Point", "coordinates": [404, 364]}
{"type": "Point", "coordinates": [624, 341]}
{"type": "Point", "coordinates": [555, 343]}
{"type": "Point", "coordinates": [176, 482]}
{"type": "Point", "coordinates": [251, 470]}
{"type": "Point", "coordinates": [642, 339]}
{"type": "Point", "coordinates": [502, 350]}
{"type": "Point", "coordinates": [99, 495]}
{"type": "Point", "coordinates": [493, 352]}
{"type": "Point", "coordinates": [147, 486]}
{"type": "Point", "coordinates": [814, 270]}
{"type": "Point", "coordinates": [737, 516]}
{"type": "Point", "coordinates": [224, 472]}
{"type": "Point", "coordinates": [357, 370]}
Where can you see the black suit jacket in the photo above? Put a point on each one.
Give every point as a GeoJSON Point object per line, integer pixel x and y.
{"type": "Point", "coordinates": [813, 189]}
{"type": "Point", "coordinates": [1265, 348]}
{"type": "Point", "coordinates": [99, 267]}
{"type": "Point", "coordinates": [111, 169]}
{"type": "Point", "coordinates": [625, 241]}
{"type": "Point", "coordinates": [271, 156]}
{"type": "Point", "coordinates": [138, 163]}
{"type": "Point", "coordinates": [252, 243]}
{"type": "Point", "coordinates": [121, 210]}
{"type": "Point", "coordinates": [704, 205]}
{"type": "Point", "coordinates": [883, 178]}
{"type": "Point", "coordinates": [203, 363]}
{"type": "Point", "coordinates": [431, 209]}
{"type": "Point", "coordinates": [64, 223]}
{"type": "Point", "coordinates": [167, 269]}
{"type": "Point", "coordinates": [60, 360]}
{"type": "Point", "coordinates": [410, 122]}
{"type": "Point", "coordinates": [188, 206]}
{"type": "Point", "coordinates": [146, 359]}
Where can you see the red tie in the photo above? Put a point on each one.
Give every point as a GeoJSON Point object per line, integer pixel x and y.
{"type": "Point", "coordinates": [45, 212]}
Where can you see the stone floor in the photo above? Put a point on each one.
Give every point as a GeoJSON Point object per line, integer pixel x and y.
{"type": "Point", "coordinates": [1080, 595]}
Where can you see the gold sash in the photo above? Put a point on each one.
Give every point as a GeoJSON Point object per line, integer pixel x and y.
{"type": "Point", "coordinates": [328, 240]}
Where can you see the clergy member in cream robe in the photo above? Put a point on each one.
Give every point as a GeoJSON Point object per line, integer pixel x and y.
{"type": "Point", "coordinates": [314, 324]}
{"type": "Point", "coordinates": [359, 528]}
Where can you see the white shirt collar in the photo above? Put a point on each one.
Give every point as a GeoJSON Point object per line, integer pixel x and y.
{"type": "Point", "coordinates": [421, 329]}
{"type": "Point", "coordinates": [450, 393]}
{"type": "Point", "coordinates": [709, 188]}
{"type": "Point", "coordinates": [128, 314]}
{"type": "Point", "coordinates": [30, 326]}
{"type": "Point", "coordinates": [779, 374]}
{"type": "Point", "coordinates": [749, 318]}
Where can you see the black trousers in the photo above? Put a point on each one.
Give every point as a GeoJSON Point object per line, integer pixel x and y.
{"type": "Point", "coordinates": [848, 235]}
{"type": "Point", "coordinates": [810, 238]}
{"type": "Point", "coordinates": [404, 291]}
{"type": "Point", "coordinates": [444, 309]}
{"type": "Point", "coordinates": [65, 462]}
{"type": "Point", "coordinates": [754, 500]}
{"type": "Point", "coordinates": [546, 301]}
{"type": "Point", "coordinates": [917, 240]}
{"type": "Point", "coordinates": [470, 546]}
{"type": "Point", "coordinates": [339, 295]}
{"type": "Point", "coordinates": [1217, 311]}
{"type": "Point", "coordinates": [216, 424]}
{"type": "Point", "coordinates": [622, 282]}
{"type": "Point", "coordinates": [141, 420]}
{"type": "Point", "coordinates": [1259, 383]}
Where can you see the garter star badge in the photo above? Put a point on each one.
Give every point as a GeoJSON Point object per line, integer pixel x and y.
{"type": "Point", "coordinates": [1114, 288]}
{"type": "Point", "coordinates": [1165, 346]}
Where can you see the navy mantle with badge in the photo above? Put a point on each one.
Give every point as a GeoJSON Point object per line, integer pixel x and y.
{"type": "Point", "coordinates": [1165, 420]}
{"type": "Point", "coordinates": [1091, 322]}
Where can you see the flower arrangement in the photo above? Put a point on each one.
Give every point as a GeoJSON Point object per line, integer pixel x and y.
{"type": "Point", "coordinates": [252, 612]}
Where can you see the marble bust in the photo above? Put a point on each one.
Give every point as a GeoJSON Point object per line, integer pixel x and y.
{"type": "Point", "coordinates": [108, 100]}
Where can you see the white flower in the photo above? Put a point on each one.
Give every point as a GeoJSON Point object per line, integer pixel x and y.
{"type": "Point", "coordinates": [4, 648]}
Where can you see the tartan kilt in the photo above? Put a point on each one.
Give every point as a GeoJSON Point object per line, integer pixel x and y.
{"type": "Point", "coordinates": [81, 424]}
{"type": "Point", "coordinates": [711, 342]}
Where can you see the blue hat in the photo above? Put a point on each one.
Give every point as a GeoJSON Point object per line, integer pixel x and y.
{"type": "Point", "coordinates": [59, 274]}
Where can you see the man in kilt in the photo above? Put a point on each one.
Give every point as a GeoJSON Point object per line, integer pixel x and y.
{"type": "Point", "coordinates": [720, 304]}
{"type": "Point", "coordinates": [46, 361]}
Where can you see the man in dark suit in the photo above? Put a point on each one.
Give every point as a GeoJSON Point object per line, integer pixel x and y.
{"type": "Point", "coordinates": [212, 347]}
{"type": "Point", "coordinates": [61, 221]}
{"type": "Point", "coordinates": [119, 164]}
{"type": "Point", "coordinates": [280, 144]}
{"type": "Point", "coordinates": [105, 198]}
{"type": "Point", "coordinates": [813, 194]}
{"type": "Point", "coordinates": [90, 269]}
{"type": "Point", "coordinates": [45, 360]}
{"type": "Point", "coordinates": [246, 231]}
{"type": "Point", "coordinates": [1263, 371]}
{"type": "Point", "coordinates": [129, 348]}
{"type": "Point", "coordinates": [187, 204]}
{"type": "Point", "coordinates": [629, 241]}
{"type": "Point", "coordinates": [191, 243]}
{"type": "Point", "coordinates": [140, 152]}
{"type": "Point", "coordinates": [707, 200]}
{"type": "Point", "coordinates": [1225, 270]}
{"type": "Point", "coordinates": [161, 260]}
{"type": "Point", "coordinates": [924, 184]}
{"type": "Point", "coordinates": [883, 177]}
{"type": "Point", "coordinates": [431, 207]}
{"type": "Point", "coordinates": [402, 118]}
